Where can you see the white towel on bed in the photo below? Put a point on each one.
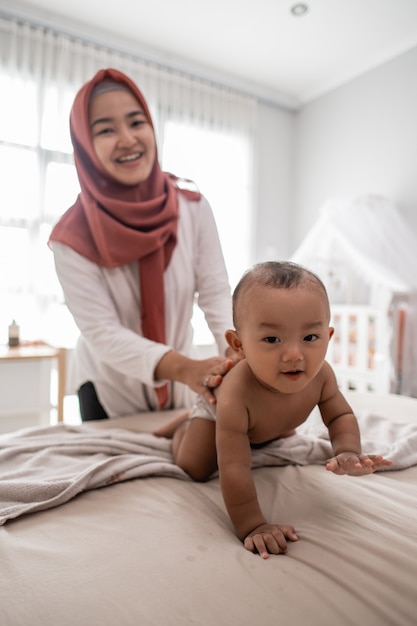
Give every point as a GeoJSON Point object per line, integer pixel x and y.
{"type": "Point", "coordinates": [311, 445]}
{"type": "Point", "coordinates": [41, 468]}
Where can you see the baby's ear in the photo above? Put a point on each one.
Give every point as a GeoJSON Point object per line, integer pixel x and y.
{"type": "Point", "coordinates": [331, 332]}
{"type": "Point", "coordinates": [233, 340]}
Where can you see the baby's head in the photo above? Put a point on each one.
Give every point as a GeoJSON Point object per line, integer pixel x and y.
{"type": "Point", "coordinates": [282, 329]}
{"type": "Point", "coordinates": [275, 275]}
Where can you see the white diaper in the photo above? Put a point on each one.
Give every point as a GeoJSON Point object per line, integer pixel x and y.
{"type": "Point", "coordinates": [202, 409]}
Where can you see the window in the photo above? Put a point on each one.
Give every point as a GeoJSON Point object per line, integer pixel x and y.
{"type": "Point", "coordinates": [205, 134]}
{"type": "Point", "coordinates": [219, 163]}
{"type": "Point", "coordinates": [38, 185]}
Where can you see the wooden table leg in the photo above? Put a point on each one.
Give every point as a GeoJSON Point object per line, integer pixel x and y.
{"type": "Point", "coordinates": [62, 377]}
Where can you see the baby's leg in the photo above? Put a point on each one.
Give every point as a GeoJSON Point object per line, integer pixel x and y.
{"type": "Point", "coordinates": [194, 448]}
{"type": "Point", "coordinates": [168, 430]}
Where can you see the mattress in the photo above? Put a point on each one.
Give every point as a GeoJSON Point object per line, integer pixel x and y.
{"type": "Point", "coordinates": [161, 551]}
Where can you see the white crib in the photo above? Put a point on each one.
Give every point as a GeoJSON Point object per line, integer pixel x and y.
{"type": "Point", "coordinates": [360, 351]}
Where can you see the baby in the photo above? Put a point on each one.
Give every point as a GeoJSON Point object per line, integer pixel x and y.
{"type": "Point", "coordinates": [281, 315]}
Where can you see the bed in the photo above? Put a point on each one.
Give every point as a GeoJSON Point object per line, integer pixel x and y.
{"type": "Point", "coordinates": [161, 551]}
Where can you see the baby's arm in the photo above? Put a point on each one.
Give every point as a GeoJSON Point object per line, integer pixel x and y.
{"type": "Point", "coordinates": [234, 460]}
{"type": "Point", "coordinates": [345, 436]}
{"type": "Point", "coordinates": [356, 464]}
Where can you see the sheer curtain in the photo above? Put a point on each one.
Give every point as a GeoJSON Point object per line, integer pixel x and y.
{"type": "Point", "coordinates": [204, 132]}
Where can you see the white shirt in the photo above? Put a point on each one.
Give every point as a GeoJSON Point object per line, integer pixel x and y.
{"type": "Point", "coordinates": [111, 351]}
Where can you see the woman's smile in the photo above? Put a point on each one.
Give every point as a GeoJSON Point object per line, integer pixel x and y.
{"type": "Point", "coordinates": [130, 158]}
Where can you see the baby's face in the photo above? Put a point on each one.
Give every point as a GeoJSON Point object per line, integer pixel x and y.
{"type": "Point", "coordinates": [285, 334]}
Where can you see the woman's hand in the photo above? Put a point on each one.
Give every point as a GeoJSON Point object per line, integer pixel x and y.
{"type": "Point", "coordinates": [214, 370]}
{"type": "Point", "coordinates": [202, 376]}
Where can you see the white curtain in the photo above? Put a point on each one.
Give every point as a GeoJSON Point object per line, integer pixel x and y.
{"type": "Point", "coordinates": [40, 72]}
{"type": "Point", "coordinates": [48, 60]}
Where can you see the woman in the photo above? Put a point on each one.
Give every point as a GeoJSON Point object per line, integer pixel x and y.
{"type": "Point", "coordinates": [131, 254]}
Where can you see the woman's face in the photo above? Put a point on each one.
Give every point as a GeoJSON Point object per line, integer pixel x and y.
{"type": "Point", "coordinates": [122, 137]}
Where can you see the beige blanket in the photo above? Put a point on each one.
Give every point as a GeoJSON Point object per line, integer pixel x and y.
{"type": "Point", "coordinates": [42, 468]}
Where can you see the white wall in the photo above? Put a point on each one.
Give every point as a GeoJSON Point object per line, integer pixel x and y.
{"type": "Point", "coordinates": [274, 167]}
{"type": "Point", "coordinates": [360, 138]}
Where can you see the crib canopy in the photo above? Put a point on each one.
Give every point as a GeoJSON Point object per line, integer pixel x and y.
{"type": "Point", "coordinates": [366, 254]}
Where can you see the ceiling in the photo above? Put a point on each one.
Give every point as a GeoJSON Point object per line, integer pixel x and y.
{"type": "Point", "coordinates": [255, 45]}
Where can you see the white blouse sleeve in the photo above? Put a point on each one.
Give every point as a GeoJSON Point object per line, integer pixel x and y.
{"type": "Point", "coordinates": [214, 297]}
{"type": "Point", "coordinates": [105, 308]}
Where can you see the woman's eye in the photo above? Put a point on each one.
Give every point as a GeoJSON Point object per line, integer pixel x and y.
{"type": "Point", "coordinates": [104, 131]}
{"type": "Point", "coordinates": [271, 339]}
{"type": "Point", "coordinates": [311, 338]}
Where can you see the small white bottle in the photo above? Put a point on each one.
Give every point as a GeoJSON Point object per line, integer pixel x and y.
{"type": "Point", "coordinates": [13, 334]}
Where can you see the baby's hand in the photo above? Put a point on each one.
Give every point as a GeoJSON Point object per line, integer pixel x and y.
{"type": "Point", "coordinates": [356, 464]}
{"type": "Point", "coordinates": [269, 539]}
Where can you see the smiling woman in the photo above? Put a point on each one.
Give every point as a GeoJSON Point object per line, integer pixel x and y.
{"type": "Point", "coordinates": [212, 124]}
{"type": "Point", "coordinates": [141, 246]}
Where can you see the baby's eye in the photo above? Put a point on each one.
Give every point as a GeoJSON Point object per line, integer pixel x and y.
{"type": "Point", "coordinates": [271, 339]}
{"type": "Point", "coordinates": [311, 337]}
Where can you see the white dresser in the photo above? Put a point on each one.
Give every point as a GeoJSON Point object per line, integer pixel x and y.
{"type": "Point", "coordinates": [27, 395]}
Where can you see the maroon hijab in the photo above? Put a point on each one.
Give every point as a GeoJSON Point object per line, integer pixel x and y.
{"type": "Point", "coordinates": [112, 224]}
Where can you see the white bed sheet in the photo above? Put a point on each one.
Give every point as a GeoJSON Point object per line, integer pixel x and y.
{"type": "Point", "coordinates": [160, 551]}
